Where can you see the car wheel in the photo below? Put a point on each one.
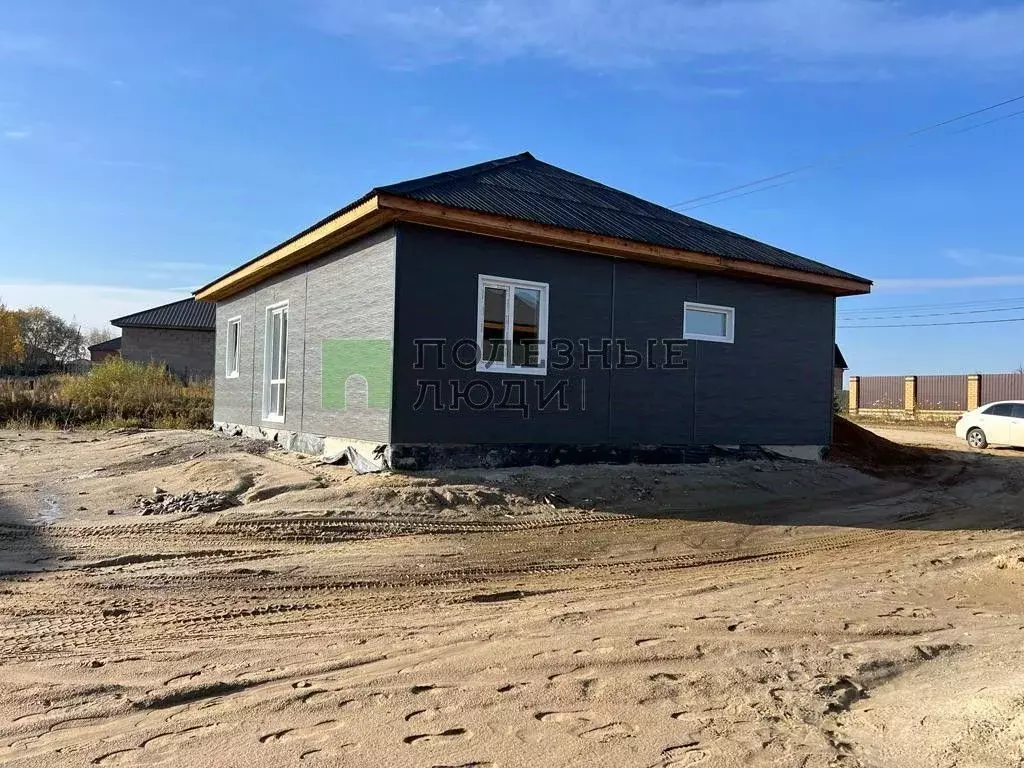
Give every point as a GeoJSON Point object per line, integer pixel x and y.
{"type": "Point", "coordinates": [976, 438]}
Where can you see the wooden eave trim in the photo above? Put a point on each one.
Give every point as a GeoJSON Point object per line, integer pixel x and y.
{"type": "Point", "coordinates": [433, 214]}
{"type": "Point", "coordinates": [358, 221]}
{"type": "Point", "coordinates": [384, 208]}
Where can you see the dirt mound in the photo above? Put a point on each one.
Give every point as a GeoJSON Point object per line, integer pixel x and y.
{"type": "Point", "coordinates": [864, 450]}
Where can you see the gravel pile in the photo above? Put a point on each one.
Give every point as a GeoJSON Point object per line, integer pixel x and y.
{"type": "Point", "coordinates": [163, 503]}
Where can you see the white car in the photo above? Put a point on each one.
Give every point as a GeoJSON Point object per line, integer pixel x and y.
{"type": "Point", "coordinates": [996, 423]}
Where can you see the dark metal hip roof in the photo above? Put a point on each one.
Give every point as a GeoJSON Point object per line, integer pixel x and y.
{"type": "Point", "coordinates": [528, 189]}
{"type": "Point", "coordinates": [184, 315]}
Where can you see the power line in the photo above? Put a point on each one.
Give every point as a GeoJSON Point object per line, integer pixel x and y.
{"type": "Point", "coordinates": [935, 325]}
{"type": "Point", "coordinates": [738, 195]}
{"type": "Point", "coordinates": [938, 314]}
{"type": "Point", "coordinates": [853, 151]}
{"type": "Point", "coordinates": [987, 122]}
{"type": "Point", "coordinates": [937, 305]}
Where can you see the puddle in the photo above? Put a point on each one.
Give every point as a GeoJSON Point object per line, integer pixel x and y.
{"type": "Point", "coordinates": [51, 511]}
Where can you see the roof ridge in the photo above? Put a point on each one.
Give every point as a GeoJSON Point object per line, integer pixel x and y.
{"type": "Point", "coordinates": [412, 185]}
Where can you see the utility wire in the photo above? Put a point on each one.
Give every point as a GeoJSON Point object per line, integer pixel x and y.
{"type": "Point", "coordinates": [853, 151]}
{"type": "Point", "coordinates": [938, 305]}
{"type": "Point", "coordinates": [934, 325]}
{"type": "Point", "coordinates": [937, 314]}
{"type": "Point", "coordinates": [987, 122]}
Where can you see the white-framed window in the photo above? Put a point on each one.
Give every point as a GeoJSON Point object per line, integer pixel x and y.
{"type": "Point", "coordinates": [512, 325]}
{"type": "Point", "coordinates": [275, 362]}
{"type": "Point", "coordinates": [708, 322]}
{"type": "Point", "coordinates": [231, 349]}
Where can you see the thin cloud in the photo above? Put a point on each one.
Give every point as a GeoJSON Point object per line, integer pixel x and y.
{"type": "Point", "coordinates": [615, 34]}
{"type": "Point", "coordinates": [17, 135]}
{"type": "Point", "coordinates": [179, 266]}
{"type": "Point", "coordinates": [918, 284]}
{"type": "Point", "coordinates": [975, 257]}
{"type": "Point", "coordinates": [92, 306]}
{"type": "Point", "coordinates": [36, 49]}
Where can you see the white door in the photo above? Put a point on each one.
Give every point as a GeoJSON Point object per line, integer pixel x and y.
{"type": "Point", "coordinates": [1017, 426]}
{"type": "Point", "coordinates": [995, 423]}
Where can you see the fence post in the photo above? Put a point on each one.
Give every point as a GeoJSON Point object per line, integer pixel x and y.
{"type": "Point", "coordinates": [973, 391]}
{"type": "Point", "coordinates": [854, 395]}
{"type": "Point", "coordinates": [909, 395]}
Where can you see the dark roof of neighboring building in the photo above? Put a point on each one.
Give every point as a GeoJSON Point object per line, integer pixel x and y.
{"type": "Point", "coordinates": [184, 315]}
{"type": "Point", "coordinates": [525, 188]}
{"type": "Point", "coordinates": [840, 361]}
{"type": "Point", "coordinates": [110, 345]}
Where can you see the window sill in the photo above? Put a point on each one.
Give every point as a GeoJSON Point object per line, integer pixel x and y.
{"type": "Point", "coordinates": [716, 339]}
{"type": "Point", "coordinates": [483, 368]}
{"type": "Point", "coordinates": [231, 376]}
{"type": "Point", "coordinates": [274, 419]}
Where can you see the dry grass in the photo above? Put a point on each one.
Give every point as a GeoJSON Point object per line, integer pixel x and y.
{"type": "Point", "coordinates": [115, 393]}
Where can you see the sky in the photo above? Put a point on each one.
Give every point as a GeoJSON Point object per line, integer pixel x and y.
{"type": "Point", "coordinates": [146, 147]}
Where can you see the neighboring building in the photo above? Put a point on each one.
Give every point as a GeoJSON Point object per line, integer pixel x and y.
{"type": "Point", "coordinates": [840, 369]}
{"type": "Point", "coordinates": [105, 349]}
{"type": "Point", "coordinates": [473, 317]}
{"type": "Point", "coordinates": [180, 335]}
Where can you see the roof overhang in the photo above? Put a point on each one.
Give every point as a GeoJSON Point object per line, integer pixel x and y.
{"type": "Point", "coordinates": [380, 209]}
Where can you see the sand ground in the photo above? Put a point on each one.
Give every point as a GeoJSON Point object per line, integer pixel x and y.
{"type": "Point", "coordinates": [739, 614]}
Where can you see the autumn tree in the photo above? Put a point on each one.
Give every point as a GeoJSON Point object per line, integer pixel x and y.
{"type": "Point", "coordinates": [11, 348]}
{"type": "Point", "coordinates": [47, 338]}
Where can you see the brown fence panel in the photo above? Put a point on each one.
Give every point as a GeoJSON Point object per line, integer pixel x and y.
{"type": "Point", "coordinates": [1001, 386]}
{"type": "Point", "coordinates": [942, 393]}
{"type": "Point", "coordinates": [881, 392]}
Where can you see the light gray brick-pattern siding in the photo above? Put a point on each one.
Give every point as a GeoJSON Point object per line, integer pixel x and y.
{"type": "Point", "coordinates": [232, 398]}
{"type": "Point", "coordinates": [289, 286]}
{"type": "Point", "coordinates": [346, 294]}
{"type": "Point", "coordinates": [188, 354]}
{"type": "Point", "coordinates": [350, 295]}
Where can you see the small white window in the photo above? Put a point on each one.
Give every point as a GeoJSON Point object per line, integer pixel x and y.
{"type": "Point", "coordinates": [707, 322]}
{"type": "Point", "coordinates": [231, 351]}
{"type": "Point", "coordinates": [275, 362]}
{"type": "Point", "coordinates": [512, 325]}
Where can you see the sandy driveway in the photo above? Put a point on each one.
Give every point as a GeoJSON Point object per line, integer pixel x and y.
{"type": "Point", "coordinates": [743, 614]}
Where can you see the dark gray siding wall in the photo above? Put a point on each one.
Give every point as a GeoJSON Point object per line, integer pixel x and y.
{"type": "Point", "coordinates": [437, 299]}
{"type": "Point", "coordinates": [772, 386]}
{"type": "Point", "coordinates": [188, 353]}
{"type": "Point", "coordinates": [347, 294]}
{"type": "Point", "coordinates": [651, 405]}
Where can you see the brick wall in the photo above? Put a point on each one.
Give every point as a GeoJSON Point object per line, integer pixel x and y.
{"type": "Point", "coordinates": [188, 354]}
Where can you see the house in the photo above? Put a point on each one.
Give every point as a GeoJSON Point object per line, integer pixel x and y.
{"type": "Point", "coordinates": [180, 335]}
{"type": "Point", "coordinates": [105, 349]}
{"type": "Point", "coordinates": [513, 312]}
{"type": "Point", "coordinates": [840, 368]}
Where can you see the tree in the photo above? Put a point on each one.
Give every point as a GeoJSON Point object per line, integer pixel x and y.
{"type": "Point", "coordinates": [47, 338]}
{"type": "Point", "coordinates": [11, 348]}
{"type": "Point", "coordinates": [96, 336]}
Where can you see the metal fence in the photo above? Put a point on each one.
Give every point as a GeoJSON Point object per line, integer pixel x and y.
{"type": "Point", "coordinates": [935, 395]}
{"type": "Point", "coordinates": [882, 392]}
{"type": "Point", "coordinates": [1001, 386]}
{"type": "Point", "coordinates": [942, 393]}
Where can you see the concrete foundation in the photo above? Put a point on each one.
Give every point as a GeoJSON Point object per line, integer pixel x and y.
{"type": "Point", "coordinates": [422, 456]}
